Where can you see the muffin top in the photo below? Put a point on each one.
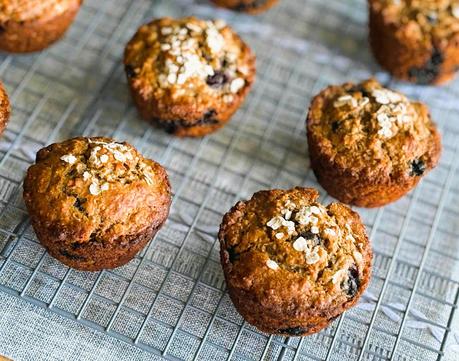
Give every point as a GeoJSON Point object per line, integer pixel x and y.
{"type": "Point", "coordinates": [4, 108]}
{"type": "Point", "coordinates": [96, 188]}
{"type": "Point", "coordinates": [190, 63]}
{"type": "Point", "coordinates": [422, 18]}
{"type": "Point", "coordinates": [368, 129]}
{"type": "Point", "coordinates": [286, 248]}
{"type": "Point", "coordinates": [24, 10]}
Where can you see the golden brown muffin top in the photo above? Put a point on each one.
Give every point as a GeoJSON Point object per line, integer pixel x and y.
{"type": "Point", "coordinates": [368, 128]}
{"type": "Point", "coordinates": [24, 10]}
{"type": "Point", "coordinates": [283, 242]}
{"type": "Point", "coordinates": [4, 108]}
{"type": "Point", "coordinates": [423, 18]}
{"type": "Point", "coordinates": [96, 187]}
{"type": "Point", "coordinates": [189, 61]}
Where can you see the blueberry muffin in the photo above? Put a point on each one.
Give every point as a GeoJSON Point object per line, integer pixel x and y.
{"type": "Point", "coordinates": [416, 40]}
{"type": "Point", "coordinates": [370, 145]}
{"type": "Point", "coordinates": [248, 6]}
{"type": "Point", "coordinates": [4, 108]}
{"type": "Point", "coordinates": [94, 203]}
{"type": "Point", "coordinates": [291, 264]}
{"type": "Point", "coordinates": [32, 25]}
{"type": "Point", "coordinates": [188, 75]}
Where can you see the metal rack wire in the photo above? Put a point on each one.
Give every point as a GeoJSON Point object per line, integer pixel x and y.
{"type": "Point", "coordinates": [171, 299]}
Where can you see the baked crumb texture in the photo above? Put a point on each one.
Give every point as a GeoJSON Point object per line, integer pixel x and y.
{"type": "Point", "coordinates": [291, 264]}
{"type": "Point", "coordinates": [94, 203]}
{"type": "Point", "coordinates": [370, 145]}
{"type": "Point", "coordinates": [248, 6]}
{"type": "Point", "coordinates": [416, 40]}
{"type": "Point", "coordinates": [31, 25]}
{"type": "Point", "coordinates": [5, 108]}
{"type": "Point", "coordinates": [188, 75]}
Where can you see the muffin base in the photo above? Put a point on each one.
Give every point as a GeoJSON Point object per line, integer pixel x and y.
{"type": "Point", "coordinates": [35, 35]}
{"type": "Point", "coordinates": [94, 256]}
{"type": "Point", "coordinates": [247, 6]}
{"type": "Point", "coordinates": [187, 123]}
{"type": "Point", "coordinates": [412, 60]}
{"type": "Point", "coordinates": [296, 324]}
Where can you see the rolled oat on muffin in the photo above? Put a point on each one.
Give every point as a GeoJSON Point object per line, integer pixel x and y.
{"type": "Point", "coordinates": [188, 75]}
{"type": "Point", "coordinates": [369, 145]}
{"type": "Point", "coordinates": [94, 203]}
{"type": "Point", "coordinates": [33, 25]}
{"type": "Point", "coordinates": [416, 40]}
{"type": "Point", "coordinates": [291, 264]}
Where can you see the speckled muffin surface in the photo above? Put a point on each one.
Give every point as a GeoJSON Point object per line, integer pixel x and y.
{"type": "Point", "coordinates": [416, 40]}
{"type": "Point", "coordinates": [291, 264]}
{"type": "Point", "coordinates": [32, 25]}
{"type": "Point", "coordinates": [248, 6]}
{"type": "Point", "coordinates": [5, 108]}
{"type": "Point", "coordinates": [188, 75]}
{"type": "Point", "coordinates": [369, 145]}
{"type": "Point", "coordinates": [94, 203]}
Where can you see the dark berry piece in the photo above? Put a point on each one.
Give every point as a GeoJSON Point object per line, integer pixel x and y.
{"type": "Point", "coordinates": [335, 126]}
{"type": "Point", "coordinates": [242, 6]}
{"type": "Point", "coordinates": [172, 126]}
{"type": "Point", "coordinates": [294, 331]}
{"type": "Point", "coordinates": [233, 255]}
{"type": "Point", "coordinates": [431, 69]}
{"type": "Point", "coordinates": [79, 204]}
{"type": "Point", "coordinates": [217, 80]}
{"type": "Point", "coordinates": [311, 236]}
{"type": "Point", "coordinates": [2, 29]}
{"type": "Point", "coordinates": [72, 256]}
{"type": "Point", "coordinates": [358, 88]}
{"type": "Point", "coordinates": [418, 168]}
{"type": "Point", "coordinates": [351, 285]}
{"type": "Point", "coordinates": [130, 72]}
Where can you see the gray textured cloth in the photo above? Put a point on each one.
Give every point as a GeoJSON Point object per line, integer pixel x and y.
{"type": "Point", "coordinates": [28, 332]}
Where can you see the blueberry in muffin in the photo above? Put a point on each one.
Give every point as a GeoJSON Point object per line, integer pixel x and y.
{"type": "Point", "coordinates": [369, 145]}
{"type": "Point", "coordinates": [291, 264]}
{"type": "Point", "coordinates": [94, 203]}
{"type": "Point", "coordinates": [188, 75]}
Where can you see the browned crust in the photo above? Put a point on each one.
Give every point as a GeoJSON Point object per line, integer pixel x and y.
{"type": "Point", "coordinates": [364, 188]}
{"type": "Point", "coordinates": [97, 255]}
{"type": "Point", "coordinates": [36, 34]}
{"type": "Point", "coordinates": [245, 5]}
{"type": "Point", "coordinates": [79, 242]}
{"type": "Point", "coordinates": [5, 108]}
{"type": "Point", "coordinates": [398, 51]}
{"type": "Point", "coordinates": [162, 114]}
{"type": "Point", "coordinates": [270, 318]}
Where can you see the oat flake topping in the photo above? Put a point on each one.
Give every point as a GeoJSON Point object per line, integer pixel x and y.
{"type": "Point", "coordinates": [108, 163]}
{"type": "Point", "coordinates": [189, 53]}
{"type": "Point", "coordinates": [311, 223]}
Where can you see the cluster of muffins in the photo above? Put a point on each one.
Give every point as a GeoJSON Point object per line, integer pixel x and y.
{"type": "Point", "coordinates": [291, 264]}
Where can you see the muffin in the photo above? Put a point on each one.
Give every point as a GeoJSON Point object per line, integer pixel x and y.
{"type": "Point", "coordinates": [188, 75]}
{"type": "Point", "coordinates": [32, 25]}
{"type": "Point", "coordinates": [248, 6]}
{"type": "Point", "coordinates": [369, 145]}
{"type": "Point", "coordinates": [4, 108]}
{"type": "Point", "coordinates": [291, 264]}
{"type": "Point", "coordinates": [94, 203]}
{"type": "Point", "coordinates": [416, 40]}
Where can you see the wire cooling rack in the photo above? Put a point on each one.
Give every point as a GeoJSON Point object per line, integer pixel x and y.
{"type": "Point", "coordinates": [171, 300]}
